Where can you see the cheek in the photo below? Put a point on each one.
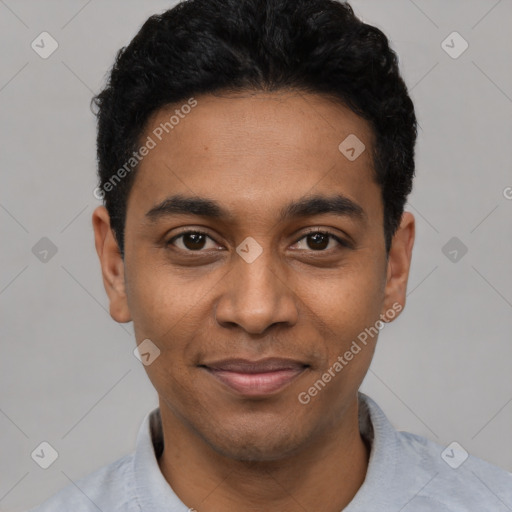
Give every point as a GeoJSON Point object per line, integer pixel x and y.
{"type": "Point", "coordinates": [348, 311]}
{"type": "Point", "coordinates": [160, 301]}
{"type": "Point", "coordinates": [348, 308]}
{"type": "Point", "coordinates": [167, 312]}
{"type": "Point", "coordinates": [348, 298]}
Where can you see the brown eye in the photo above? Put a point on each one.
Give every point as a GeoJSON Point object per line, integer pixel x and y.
{"type": "Point", "coordinates": [194, 241]}
{"type": "Point", "coordinates": [319, 241]}
{"type": "Point", "coordinates": [190, 241]}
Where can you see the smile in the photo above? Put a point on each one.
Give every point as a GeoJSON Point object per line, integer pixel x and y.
{"type": "Point", "coordinates": [256, 378]}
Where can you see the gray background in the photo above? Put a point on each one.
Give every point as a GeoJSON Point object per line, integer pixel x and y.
{"type": "Point", "coordinates": [67, 373]}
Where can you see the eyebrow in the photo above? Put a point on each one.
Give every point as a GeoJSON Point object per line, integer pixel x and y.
{"type": "Point", "coordinates": [304, 207]}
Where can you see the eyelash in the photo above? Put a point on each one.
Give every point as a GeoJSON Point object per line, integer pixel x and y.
{"type": "Point", "coordinates": [342, 242]}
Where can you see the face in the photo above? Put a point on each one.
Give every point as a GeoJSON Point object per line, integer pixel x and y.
{"type": "Point", "coordinates": [253, 292]}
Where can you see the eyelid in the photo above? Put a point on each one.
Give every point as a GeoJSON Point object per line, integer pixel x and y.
{"type": "Point", "coordinates": [325, 231]}
{"type": "Point", "coordinates": [187, 231]}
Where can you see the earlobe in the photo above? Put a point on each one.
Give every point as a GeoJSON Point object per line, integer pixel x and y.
{"type": "Point", "coordinates": [112, 265]}
{"type": "Point", "coordinates": [399, 263]}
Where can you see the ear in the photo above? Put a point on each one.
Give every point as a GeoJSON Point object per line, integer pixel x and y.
{"type": "Point", "coordinates": [399, 263]}
{"type": "Point", "coordinates": [112, 265]}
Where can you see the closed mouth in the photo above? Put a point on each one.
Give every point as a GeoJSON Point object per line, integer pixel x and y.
{"type": "Point", "coordinates": [256, 378]}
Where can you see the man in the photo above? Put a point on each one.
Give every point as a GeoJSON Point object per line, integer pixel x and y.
{"type": "Point", "coordinates": [254, 158]}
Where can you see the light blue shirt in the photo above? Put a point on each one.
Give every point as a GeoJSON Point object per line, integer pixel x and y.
{"type": "Point", "coordinates": [406, 473]}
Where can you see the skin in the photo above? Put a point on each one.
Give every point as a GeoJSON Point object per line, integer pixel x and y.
{"type": "Point", "coordinates": [255, 153]}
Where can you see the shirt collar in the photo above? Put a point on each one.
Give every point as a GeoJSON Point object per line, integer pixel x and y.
{"type": "Point", "coordinates": [381, 473]}
{"type": "Point", "coordinates": [154, 493]}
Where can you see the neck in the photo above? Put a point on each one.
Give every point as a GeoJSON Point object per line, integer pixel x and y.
{"type": "Point", "coordinates": [325, 475]}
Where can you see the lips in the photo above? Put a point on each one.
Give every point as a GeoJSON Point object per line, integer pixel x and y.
{"type": "Point", "coordinates": [256, 378]}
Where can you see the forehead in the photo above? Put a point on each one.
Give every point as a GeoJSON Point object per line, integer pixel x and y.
{"type": "Point", "coordinates": [256, 152]}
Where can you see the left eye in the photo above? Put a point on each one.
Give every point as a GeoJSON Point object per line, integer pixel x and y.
{"type": "Point", "coordinates": [319, 240]}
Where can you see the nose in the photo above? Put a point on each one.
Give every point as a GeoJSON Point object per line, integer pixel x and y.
{"type": "Point", "coordinates": [256, 296]}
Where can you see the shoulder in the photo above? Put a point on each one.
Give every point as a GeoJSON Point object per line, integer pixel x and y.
{"type": "Point", "coordinates": [453, 480]}
{"type": "Point", "coordinates": [411, 473]}
{"type": "Point", "coordinates": [109, 488]}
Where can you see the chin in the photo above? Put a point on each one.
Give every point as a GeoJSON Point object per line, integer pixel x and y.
{"type": "Point", "coordinates": [254, 451]}
{"type": "Point", "coordinates": [256, 443]}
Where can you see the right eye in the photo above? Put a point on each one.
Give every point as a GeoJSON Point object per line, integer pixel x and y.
{"type": "Point", "coordinates": [190, 241]}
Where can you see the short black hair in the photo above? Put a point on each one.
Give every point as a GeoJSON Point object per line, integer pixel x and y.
{"type": "Point", "coordinates": [217, 46]}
